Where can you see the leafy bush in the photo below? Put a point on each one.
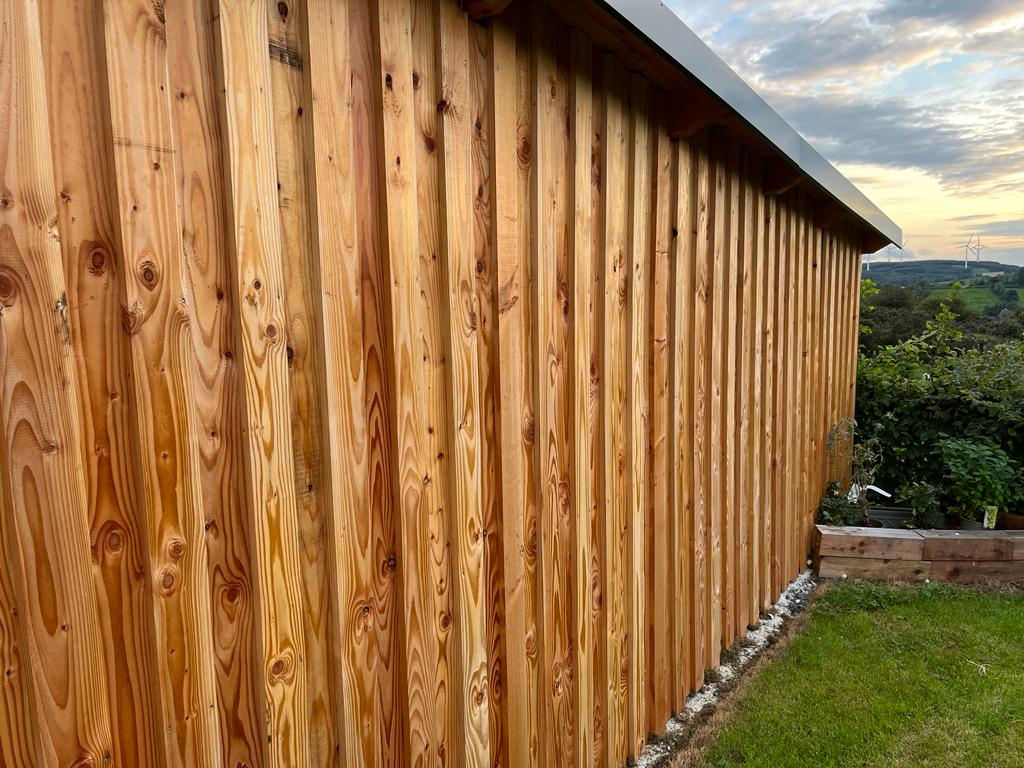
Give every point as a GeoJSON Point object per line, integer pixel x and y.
{"type": "Point", "coordinates": [923, 499]}
{"type": "Point", "coordinates": [979, 474]}
{"type": "Point", "coordinates": [914, 395]}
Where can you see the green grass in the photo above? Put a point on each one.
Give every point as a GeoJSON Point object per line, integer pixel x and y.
{"type": "Point", "coordinates": [889, 677]}
{"type": "Point", "coordinates": [975, 297]}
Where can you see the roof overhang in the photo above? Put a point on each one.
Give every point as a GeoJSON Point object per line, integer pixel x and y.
{"type": "Point", "coordinates": [663, 31]}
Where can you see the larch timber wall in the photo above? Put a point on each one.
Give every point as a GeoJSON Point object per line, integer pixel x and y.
{"type": "Point", "coordinates": [384, 387]}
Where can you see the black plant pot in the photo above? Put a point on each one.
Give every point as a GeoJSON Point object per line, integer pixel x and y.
{"type": "Point", "coordinates": [892, 517]}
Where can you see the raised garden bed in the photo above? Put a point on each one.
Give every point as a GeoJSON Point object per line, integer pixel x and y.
{"type": "Point", "coordinates": [905, 555]}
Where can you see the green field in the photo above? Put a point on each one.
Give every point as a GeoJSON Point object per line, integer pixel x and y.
{"type": "Point", "coordinates": [975, 297]}
{"type": "Point", "coordinates": [923, 677]}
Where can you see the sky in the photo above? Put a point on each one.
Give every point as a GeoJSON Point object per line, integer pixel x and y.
{"type": "Point", "coordinates": [920, 103]}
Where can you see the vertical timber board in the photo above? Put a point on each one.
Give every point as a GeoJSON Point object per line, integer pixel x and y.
{"type": "Point", "coordinates": [19, 727]}
{"type": "Point", "coordinates": [290, 100]}
{"type": "Point", "coordinates": [75, 76]}
{"type": "Point", "coordinates": [554, 383]}
{"type": "Point", "coordinates": [616, 294]}
{"type": "Point", "coordinates": [157, 318]}
{"type": "Point", "coordinates": [688, 534]}
{"type": "Point", "coordinates": [423, 531]}
{"type": "Point", "coordinates": [784, 423]}
{"type": "Point", "coordinates": [511, 129]}
{"type": "Point", "coordinates": [753, 320]}
{"type": "Point", "coordinates": [800, 373]}
{"type": "Point", "coordinates": [446, 345]}
{"type": "Point", "coordinates": [330, 460]}
{"type": "Point", "coordinates": [44, 494]}
{"type": "Point", "coordinates": [581, 127]}
{"type": "Point", "coordinates": [744, 397]}
{"type": "Point", "coordinates": [717, 331]}
{"type": "Point", "coordinates": [597, 331]}
{"type": "Point", "coordinates": [664, 548]}
{"type": "Point", "coordinates": [366, 720]}
{"type": "Point", "coordinates": [807, 387]}
{"type": "Point", "coordinates": [378, 530]}
{"type": "Point", "coordinates": [730, 390]}
{"type": "Point", "coordinates": [638, 394]}
{"type": "Point", "coordinates": [768, 265]}
{"type": "Point", "coordinates": [487, 690]}
{"type": "Point", "coordinates": [702, 220]}
{"type": "Point", "coordinates": [817, 361]}
{"type": "Point", "coordinates": [854, 331]}
{"type": "Point", "coordinates": [462, 193]}
{"type": "Point", "coordinates": [259, 289]}
{"type": "Point", "coordinates": [198, 124]}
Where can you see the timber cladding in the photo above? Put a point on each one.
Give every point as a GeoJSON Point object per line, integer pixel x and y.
{"type": "Point", "coordinates": [383, 386]}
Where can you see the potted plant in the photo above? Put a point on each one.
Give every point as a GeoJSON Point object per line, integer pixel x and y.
{"type": "Point", "coordinates": [980, 476]}
{"type": "Point", "coordinates": [924, 503]}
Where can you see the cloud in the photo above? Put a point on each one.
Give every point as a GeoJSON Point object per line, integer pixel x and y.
{"type": "Point", "coordinates": [896, 132]}
{"type": "Point", "coordinates": [953, 12]}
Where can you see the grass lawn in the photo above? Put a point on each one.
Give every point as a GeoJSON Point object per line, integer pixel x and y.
{"type": "Point", "coordinates": [894, 677]}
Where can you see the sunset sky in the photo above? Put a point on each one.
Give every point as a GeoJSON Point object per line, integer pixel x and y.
{"type": "Point", "coordinates": [919, 102]}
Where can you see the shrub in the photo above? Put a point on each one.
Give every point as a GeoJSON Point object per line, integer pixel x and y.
{"type": "Point", "coordinates": [979, 474]}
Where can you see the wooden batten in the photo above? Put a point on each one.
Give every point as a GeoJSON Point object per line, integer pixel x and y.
{"type": "Point", "coordinates": [484, 9]}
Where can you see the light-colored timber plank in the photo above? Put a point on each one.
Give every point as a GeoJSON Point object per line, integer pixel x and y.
{"type": "Point", "coordinates": [343, 222]}
{"type": "Point", "coordinates": [44, 495]}
{"type": "Point", "coordinates": [485, 269]}
{"type": "Point", "coordinates": [617, 498]}
{"type": "Point", "coordinates": [157, 318]}
{"type": "Point", "coordinates": [581, 129]}
{"type": "Point", "coordinates": [291, 103]}
{"type": "Point", "coordinates": [639, 395]}
{"type": "Point", "coordinates": [19, 726]}
{"type": "Point", "coordinates": [874, 568]}
{"type": "Point", "coordinates": [746, 532]}
{"type": "Point", "coordinates": [258, 287]}
{"type": "Point", "coordinates": [202, 181]}
{"type": "Point", "coordinates": [730, 444]}
{"type": "Point", "coordinates": [701, 219]}
{"type": "Point", "coordinates": [597, 330]}
{"type": "Point", "coordinates": [423, 532]}
{"type": "Point", "coordinates": [511, 157]}
{"type": "Point", "coordinates": [463, 198]}
{"type": "Point", "coordinates": [552, 215]}
{"type": "Point", "coordinates": [760, 525]}
{"type": "Point", "coordinates": [664, 544]}
{"type": "Point", "coordinates": [769, 467]}
{"type": "Point", "coordinates": [686, 339]}
{"type": "Point", "coordinates": [83, 170]}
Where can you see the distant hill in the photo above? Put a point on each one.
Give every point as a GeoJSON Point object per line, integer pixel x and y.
{"type": "Point", "coordinates": [932, 271]}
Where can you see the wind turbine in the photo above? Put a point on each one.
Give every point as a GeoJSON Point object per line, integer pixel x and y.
{"type": "Point", "coordinates": [901, 247]}
{"type": "Point", "coordinates": [968, 247]}
{"type": "Point", "coordinates": [977, 250]}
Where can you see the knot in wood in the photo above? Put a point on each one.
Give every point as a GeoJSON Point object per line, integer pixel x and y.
{"type": "Point", "coordinates": [176, 549]}
{"type": "Point", "coordinates": [168, 580]}
{"type": "Point", "coordinates": [281, 668]}
{"type": "Point", "coordinates": [8, 288]}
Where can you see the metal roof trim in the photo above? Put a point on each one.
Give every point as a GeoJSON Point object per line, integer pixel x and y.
{"type": "Point", "coordinates": [665, 31]}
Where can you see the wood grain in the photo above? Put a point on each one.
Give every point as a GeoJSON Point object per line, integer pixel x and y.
{"type": "Point", "coordinates": [43, 484]}
{"type": "Point", "coordinates": [258, 288]}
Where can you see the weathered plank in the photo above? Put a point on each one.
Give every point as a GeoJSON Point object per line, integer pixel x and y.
{"type": "Point", "coordinates": [729, 330]}
{"type": "Point", "coordinates": [966, 545]}
{"type": "Point", "coordinates": [965, 571]}
{"type": "Point", "coordinates": [874, 568]}
{"type": "Point", "coordinates": [884, 543]}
